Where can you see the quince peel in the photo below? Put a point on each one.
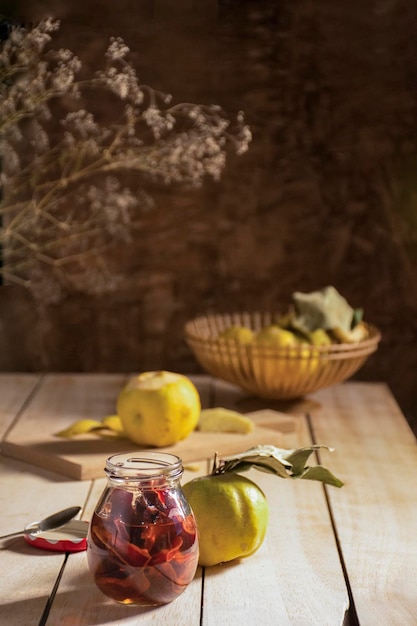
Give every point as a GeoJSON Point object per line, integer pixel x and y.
{"type": "Point", "coordinates": [109, 425]}
{"type": "Point", "coordinates": [216, 420]}
{"type": "Point", "coordinates": [221, 420]}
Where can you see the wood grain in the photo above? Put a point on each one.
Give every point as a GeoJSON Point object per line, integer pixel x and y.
{"type": "Point", "coordinates": [376, 512]}
{"type": "Point", "coordinates": [29, 574]}
{"type": "Point", "coordinates": [295, 578]}
{"type": "Point", "coordinates": [297, 571]}
{"type": "Point", "coordinates": [15, 389]}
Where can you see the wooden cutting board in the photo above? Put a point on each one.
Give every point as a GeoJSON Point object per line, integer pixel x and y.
{"type": "Point", "coordinates": [62, 400]}
{"type": "Point", "coordinates": [84, 457]}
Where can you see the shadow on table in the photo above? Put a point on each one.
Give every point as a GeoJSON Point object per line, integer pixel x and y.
{"type": "Point", "coordinates": [68, 609]}
{"type": "Point", "coordinates": [300, 406]}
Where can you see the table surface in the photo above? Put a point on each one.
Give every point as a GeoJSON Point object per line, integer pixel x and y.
{"type": "Point", "coordinates": [331, 556]}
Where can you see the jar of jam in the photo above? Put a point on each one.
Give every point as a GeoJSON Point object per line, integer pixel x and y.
{"type": "Point", "coordinates": [142, 545]}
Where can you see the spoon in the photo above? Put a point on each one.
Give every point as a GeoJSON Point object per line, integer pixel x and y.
{"type": "Point", "coordinates": [52, 521]}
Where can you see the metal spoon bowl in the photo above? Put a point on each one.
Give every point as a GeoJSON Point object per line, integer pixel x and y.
{"type": "Point", "coordinates": [52, 521]}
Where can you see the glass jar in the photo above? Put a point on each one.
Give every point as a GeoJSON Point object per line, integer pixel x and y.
{"type": "Point", "coordinates": [142, 545]}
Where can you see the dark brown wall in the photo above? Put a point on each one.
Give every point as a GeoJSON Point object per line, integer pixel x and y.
{"type": "Point", "coordinates": [325, 195]}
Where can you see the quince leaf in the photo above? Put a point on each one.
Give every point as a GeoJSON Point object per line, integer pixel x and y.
{"type": "Point", "coordinates": [318, 472]}
{"type": "Point", "coordinates": [298, 458]}
{"type": "Point", "coordinates": [262, 458]}
{"type": "Point", "coordinates": [325, 309]}
{"type": "Point", "coordinates": [357, 317]}
{"type": "Point", "coordinates": [281, 462]}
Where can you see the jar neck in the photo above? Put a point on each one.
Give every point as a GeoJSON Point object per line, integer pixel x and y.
{"type": "Point", "coordinates": [146, 468]}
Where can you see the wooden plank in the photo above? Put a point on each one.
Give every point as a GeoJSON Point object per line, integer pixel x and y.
{"type": "Point", "coordinates": [295, 577]}
{"type": "Point", "coordinates": [26, 497]}
{"type": "Point", "coordinates": [62, 399]}
{"type": "Point", "coordinates": [26, 587]}
{"type": "Point", "coordinates": [29, 574]}
{"type": "Point", "coordinates": [376, 512]}
{"type": "Point", "coordinates": [15, 389]}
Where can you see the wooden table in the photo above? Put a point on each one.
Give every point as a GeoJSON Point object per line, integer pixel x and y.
{"type": "Point", "coordinates": [331, 557]}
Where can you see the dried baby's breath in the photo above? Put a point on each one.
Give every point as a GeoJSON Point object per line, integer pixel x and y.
{"type": "Point", "coordinates": [63, 199]}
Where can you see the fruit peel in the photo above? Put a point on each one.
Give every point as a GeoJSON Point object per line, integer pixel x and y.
{"type": "Point", "coordinates": [221, 420]}
{"type": "Point", "coordinates": [109, 426]}
{"type": "Point", "coordinates": [79, 427]}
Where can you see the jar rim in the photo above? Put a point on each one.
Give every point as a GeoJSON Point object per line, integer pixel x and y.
{"type": "Point", "coordinates": [143, 464]}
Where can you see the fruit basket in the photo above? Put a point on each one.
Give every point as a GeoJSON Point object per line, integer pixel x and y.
{"type": "Point", "coordinates": [270, 371]}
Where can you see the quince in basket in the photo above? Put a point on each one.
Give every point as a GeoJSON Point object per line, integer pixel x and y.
{"type": "Point", "coordinates": [241, 334]}
{"type": "Point", "coordinates": [317, 318]}
{"type": "Point", "coordinates": [275, 335]}
{"type": "Point", "coordinates": [320, 341]}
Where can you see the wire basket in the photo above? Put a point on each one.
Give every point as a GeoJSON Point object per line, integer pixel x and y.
{"type": "Point", "coordinates": [269, 371]}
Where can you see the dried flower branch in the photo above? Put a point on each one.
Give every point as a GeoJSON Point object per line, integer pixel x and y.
{"type": "Point", "coordinates": [64, 168]}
